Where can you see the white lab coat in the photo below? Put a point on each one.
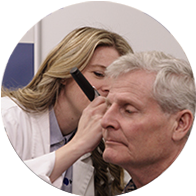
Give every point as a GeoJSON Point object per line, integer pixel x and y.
{"type": "Point", "coordinates": [30, 136]}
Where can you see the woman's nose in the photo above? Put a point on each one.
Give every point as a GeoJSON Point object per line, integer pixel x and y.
{"type": "Point", "coordinates": [105, 87]}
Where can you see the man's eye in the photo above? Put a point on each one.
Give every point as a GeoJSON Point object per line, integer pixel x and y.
{"type": "Point", "coordinates": [128, 111]}
{"type": "Point", "coordinates": [98, 74]}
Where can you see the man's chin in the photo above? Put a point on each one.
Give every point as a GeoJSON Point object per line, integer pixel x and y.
{"type": "Point", "coordinates": [110, 156]}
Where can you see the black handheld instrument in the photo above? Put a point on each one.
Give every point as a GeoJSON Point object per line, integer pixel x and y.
{"type": "Point", "coordinates": [89, 91]}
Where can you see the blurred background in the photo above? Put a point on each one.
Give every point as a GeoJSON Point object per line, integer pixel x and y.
{"type": "Point", "coordinates": [17, 17]}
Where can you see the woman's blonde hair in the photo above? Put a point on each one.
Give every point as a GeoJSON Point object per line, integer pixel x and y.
{"type": "Point", "coordinates": [190, 51]}
{"type": "Point", "coordinates": [75, 50]}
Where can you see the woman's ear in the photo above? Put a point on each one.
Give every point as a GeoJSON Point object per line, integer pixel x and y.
{"type": "Point", "coordinates": [184, 123]}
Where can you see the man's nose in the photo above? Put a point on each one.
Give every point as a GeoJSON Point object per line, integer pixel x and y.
{"type": "Point", "coordinates": [110, 118]}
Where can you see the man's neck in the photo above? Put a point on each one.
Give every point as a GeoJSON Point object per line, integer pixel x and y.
{"type": "Point", "coordinates": [145, 174]}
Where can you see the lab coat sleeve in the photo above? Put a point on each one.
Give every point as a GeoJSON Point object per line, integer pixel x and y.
{"type": "Point", "coordinates": [16, 126]}
{"type": "Point", "coordinates": [19, 132]}
{"type": "Point", "coordinates": [44, 169]}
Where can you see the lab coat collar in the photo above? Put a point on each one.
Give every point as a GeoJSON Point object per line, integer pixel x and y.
{"type": "Point", "coordinates": [86, 156]}
{"type": "Point", "coordinates": [40, 122]}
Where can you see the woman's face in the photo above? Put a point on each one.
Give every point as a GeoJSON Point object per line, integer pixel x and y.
{"type": "Point", "coordinates": [94, 72]}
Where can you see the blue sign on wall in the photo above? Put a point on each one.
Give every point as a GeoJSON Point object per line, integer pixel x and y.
{"type": "Point", "coordinates": [20, 68]}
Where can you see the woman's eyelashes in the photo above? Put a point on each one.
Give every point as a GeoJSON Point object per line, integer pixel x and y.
{"type": "Point", "coordinates": [99, 74]}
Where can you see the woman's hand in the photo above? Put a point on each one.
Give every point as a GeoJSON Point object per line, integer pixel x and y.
{"type": "Point", "coordinates": [89, 131]}
{"type": "Point", "coordinates": [87, 137]}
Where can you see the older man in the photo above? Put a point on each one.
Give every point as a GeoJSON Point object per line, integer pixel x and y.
{"type": "Point", "coordinates": [151, 108]}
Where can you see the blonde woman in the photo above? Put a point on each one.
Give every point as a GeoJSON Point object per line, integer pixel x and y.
{"type": "Point", "coordinates": [42, 119]}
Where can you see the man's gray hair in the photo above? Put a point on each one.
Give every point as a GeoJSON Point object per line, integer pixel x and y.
{"type": "Point", "coordinates": [174, 86]}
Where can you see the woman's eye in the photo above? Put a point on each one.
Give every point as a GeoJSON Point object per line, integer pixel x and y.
{"type": "Point", "coordinates": [98, 74]}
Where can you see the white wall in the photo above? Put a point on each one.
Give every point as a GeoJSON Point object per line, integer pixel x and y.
{"type": "Point", "coordinates": [184, 21]}
{"type": "Point", "coordinates": [183, 16]}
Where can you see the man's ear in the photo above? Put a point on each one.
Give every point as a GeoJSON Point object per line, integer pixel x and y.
{"type": "Point", "coordinates": [184, 120]}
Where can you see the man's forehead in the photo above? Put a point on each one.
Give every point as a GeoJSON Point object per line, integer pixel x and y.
{"type": "Point", "coordinates": [138, 79]}
{"type": "Point", "coordinates": [135, 86]}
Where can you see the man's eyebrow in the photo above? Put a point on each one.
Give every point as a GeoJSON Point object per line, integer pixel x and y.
{"type": "Point", "coordinates": [119, 101]}
{"type": "Point", "coordinates": [124, 101]}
